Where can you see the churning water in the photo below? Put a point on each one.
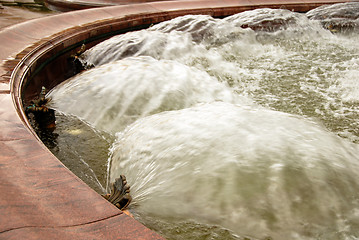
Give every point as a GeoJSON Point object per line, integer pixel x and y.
{"type": "Point", "coordinates": [245, 126]}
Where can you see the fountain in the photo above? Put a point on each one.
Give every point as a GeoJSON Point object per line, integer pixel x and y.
{"type": "Point", "coordinates": [283, 154]}
{"type": "Point", "coordinates": [213, 133]}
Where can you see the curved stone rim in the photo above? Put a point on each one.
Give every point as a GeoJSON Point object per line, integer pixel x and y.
{"type": "Point", "coordinates": [41, 197]}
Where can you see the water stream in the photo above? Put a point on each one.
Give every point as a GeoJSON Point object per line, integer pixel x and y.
{"type": "Point", "coordinates": [242, 127]}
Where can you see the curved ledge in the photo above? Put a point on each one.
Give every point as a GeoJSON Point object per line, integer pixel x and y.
{"type": "Point", "coordinates": [70, 5]}
{"type": "Point", "coordinates": [40, 197]}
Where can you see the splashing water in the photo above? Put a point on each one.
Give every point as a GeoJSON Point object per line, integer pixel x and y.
{"type": "Point", "coordinates": [248, 123]}
{"type": "Point", "coordinates": [294, 66]}
{"type": "Point", "coordinates": [119, 96]}
{"type": "Point", "coordinates": [343, 17]}
{"type": "Point", "coordinates": [236, 166]}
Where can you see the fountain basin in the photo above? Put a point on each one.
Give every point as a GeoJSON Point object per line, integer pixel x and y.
{"type": "Point", "coordinates": [40, 197]}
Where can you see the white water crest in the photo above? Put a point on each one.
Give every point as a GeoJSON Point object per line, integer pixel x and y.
{"type": "Point", "coordinates": [204, 29]}
{"type": "Point", "coordinates": [184, 39]}
{"type": "Point", "coordinates": [140, 43]}
{"type": "Point", "coordinates": [347, 10]}
{"type": "Point", "coordinates": [266, 19]}
{"type": "Point", "coordinates": [257, 172]}
{"type": "Point", "coordinates": [116, 94]}
{"type": "Point", "coordinates": [342, 15]}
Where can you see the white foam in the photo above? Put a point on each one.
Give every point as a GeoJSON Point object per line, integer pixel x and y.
{"type": "Point", "coordinates": [116, 94]}
{"type": "Point", "coordinates": [254, 171]}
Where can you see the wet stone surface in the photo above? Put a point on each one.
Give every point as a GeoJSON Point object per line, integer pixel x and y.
{"type": "Point", "coordinates": [16, 11]}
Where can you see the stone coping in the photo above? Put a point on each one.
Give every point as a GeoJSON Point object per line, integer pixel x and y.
{"type": "Point", "coordinates": [40, 197]}
{"type": "Point", "coordinates": [70, 5]}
